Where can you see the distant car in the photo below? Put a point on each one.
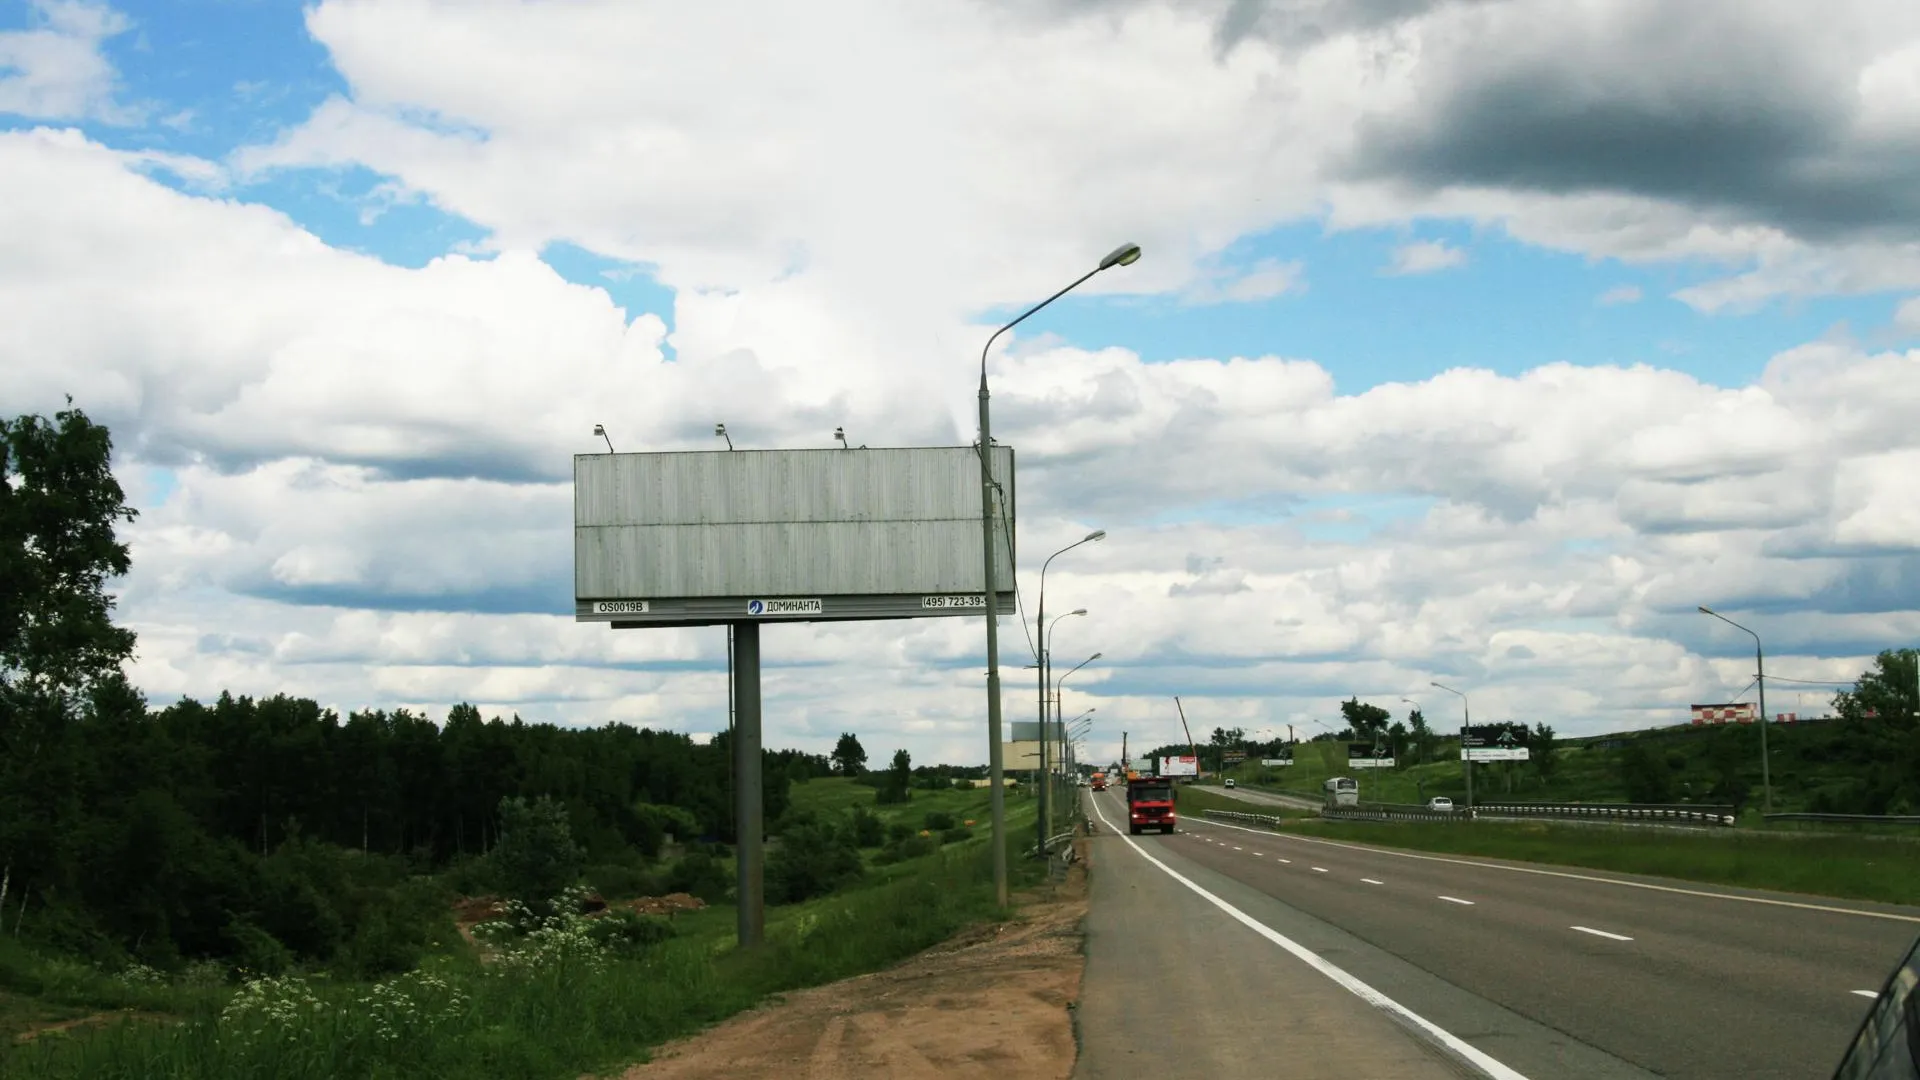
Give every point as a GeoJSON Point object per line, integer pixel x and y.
{"type": "Point", "coordinates": [1440, 802]}
{"type": "Point", "coordinates": [1229, 781]}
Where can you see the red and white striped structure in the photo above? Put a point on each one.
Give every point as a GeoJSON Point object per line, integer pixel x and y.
{"type": "Point", "coordinates": [1739, 712]}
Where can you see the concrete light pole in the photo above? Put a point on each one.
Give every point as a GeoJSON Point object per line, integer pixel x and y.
{"type": "Point", "coordinates": [1124, 255]}
{"type": "Point", "coordinates": [1760, 677]}
{"type": "Point", "coordinates": [1046, 655]}
{"type": "Point", "coordinates": [1466, 721]}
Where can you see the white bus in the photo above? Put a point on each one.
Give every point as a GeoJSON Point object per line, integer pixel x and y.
{"type": "Point", "coordinates": [1342, 791]}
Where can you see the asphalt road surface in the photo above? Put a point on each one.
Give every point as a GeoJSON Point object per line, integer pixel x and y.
{"type": "Point", "coordinates": [1315, 958]}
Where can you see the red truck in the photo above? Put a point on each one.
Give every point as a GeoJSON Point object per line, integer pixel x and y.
{"type": "Point", "coordinates": [1149, 804]}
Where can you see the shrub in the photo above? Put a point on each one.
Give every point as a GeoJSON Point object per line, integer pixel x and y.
{"type": "Point", "coordinates": [955, 834]}
{"type": "Point", "coordinates": [621, 880]}
{"type": "Point", "coordinates": [702, 875]}
{"type": "Point", "coordinates": [813, 859]}
{"type": "Point", "coordinates": [868, 830]}
{"type": "Point", "coordinates": [536, 857]}
{"type": "Point", "coordinates": [898, 831]}
{"type": "Point", "coordinates": [939, 821]}
{"type": "Point", "coordinates": [908, 847]}
{"type": "Point", "coordinates": [627, 933]}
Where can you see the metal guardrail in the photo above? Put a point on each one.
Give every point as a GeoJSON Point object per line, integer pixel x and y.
{"type": "Point", "coordinates": [1392, 812]}
{"type": "Point", "coordinates": [1628, 813]}
{"type": "Point", "coordinates": [1886, 819]}
{"type": "Point", "coordinates": [1270, 821]}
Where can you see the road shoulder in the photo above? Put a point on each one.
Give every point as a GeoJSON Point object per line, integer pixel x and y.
{"type": "Point", "coordinates": [994, 1003]}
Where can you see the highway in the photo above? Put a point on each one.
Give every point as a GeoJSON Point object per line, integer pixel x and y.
{"type": "Point", "coordinates": [1545, 972]}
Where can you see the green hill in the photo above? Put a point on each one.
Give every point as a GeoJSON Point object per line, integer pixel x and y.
{"type": "Point", "coordinates": [1831, 767]}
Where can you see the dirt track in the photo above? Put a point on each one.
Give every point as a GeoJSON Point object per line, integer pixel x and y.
{"type": "Point", "coordinates": [993, 1003]}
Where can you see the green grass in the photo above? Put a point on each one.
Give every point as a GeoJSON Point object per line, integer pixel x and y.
{"type": "Point", "coordinates": [1193, 800]}
{"type": "Point", "coordinates": [1859, 868]}
{"type": "Point", "coordinates": [837, 794]}
{"type": "Point", "coordinates": [558, 1018]}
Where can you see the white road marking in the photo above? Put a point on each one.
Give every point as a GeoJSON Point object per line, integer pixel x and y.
{"type": "Point", "coordinates": [1866, 993]}
{"type": "Point", "coordinates": [1481, 1060]}
{"type": "Point", "coordinates": [1257, 855]}
{"type": "Point", "coordinates": [1600, 933]}
{"type": "Point", "coordinates": [1239, 849]}
{"type": "Point", "coordinates": [1457, 900]}
{"type": "Point", "coordinates": [1370, 881]}
{"type": "Point", "coordinates": [1288, 861]}
{"type": "Point", "coordinates": [1829, 908]}
{"type": "Point", "coordinates": [1319, 869]}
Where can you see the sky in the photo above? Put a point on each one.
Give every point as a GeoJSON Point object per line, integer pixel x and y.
{"type": "Point", "coordinates": [1476, 342]}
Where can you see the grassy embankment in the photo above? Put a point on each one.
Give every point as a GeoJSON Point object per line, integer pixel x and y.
{"type": "Point", "coordinates": [1813, 765]}
{"type": "Point", "coordinates": [555, 1005]}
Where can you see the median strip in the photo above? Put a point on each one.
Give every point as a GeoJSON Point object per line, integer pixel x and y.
{"type": "Point", "coordinates": [1600, 933]}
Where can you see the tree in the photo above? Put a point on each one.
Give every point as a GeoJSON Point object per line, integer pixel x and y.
{"type": "Point", "coordinates": [1366, 720]}
{"type": "Point", "coordinates": [1540, 751]}
{"type": "Point", "coordinates": [1890, 690]}
{"type": "Point", "coordinates": [897, 787]}
{"type": "Point", "coordinates": [1421, 735]}
{"type": "Point", "coordinates": [536, 856]}
{"type": "Point", "coordinates": [1644, 773]}
{"type": "Point", "coordinates": [59, 504]}
{"type": "Point", "coordinates": [849, 757]}
{"type": "Point", "coordinates": [1397, 739]}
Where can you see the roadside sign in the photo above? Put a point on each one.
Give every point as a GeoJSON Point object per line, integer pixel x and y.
{"type": "Point", "coordinates": [1276, 762]}
{"type": "Point", "coordinates": [1494, 742]}
{"type": "Point", "coordinates": [1233, 757]}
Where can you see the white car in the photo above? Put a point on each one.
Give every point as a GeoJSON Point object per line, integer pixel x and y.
{"type": "Point", "coordinates": [1229, 781]}
{"type": "Point", "coordinates": [1440, 802]}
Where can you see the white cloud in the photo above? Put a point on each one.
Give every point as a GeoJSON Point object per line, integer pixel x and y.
{"type": "Point", "coordinates": [55, 70]}
{"type": "Point", "coordinates": [1425, 257]}
{"type": "Point", "coordinates": [1620, 294]}
{"type": "Point", "coordinates": [369, 502]}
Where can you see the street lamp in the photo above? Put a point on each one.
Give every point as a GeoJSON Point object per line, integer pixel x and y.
{"type": "Point", "coordinates": [1760, 677]}
{"type": "Point", "coordinates": [1123, 255]}
{"type": "Point", "coordinates": [601, 430]}
{"type": "Point", "coordinates": [721, 431]}
{"type": "Point", "coordinates": [1466, 758]}
{"type": "Point", "coordinates": [1046, 640]}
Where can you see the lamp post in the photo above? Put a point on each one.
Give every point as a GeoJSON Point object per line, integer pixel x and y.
{"type": "Point", "coordinates": [1466, 721]}
{"type": "Point", "coordinates": [1046, 651]}
{"type": "Point", "coordinates": [1041, 624]}
{"type": "Point", "coordinates": [601, 430]}
{"type": "Point", "coordinates": [1760, 677]}
{"type": "Point", "coordinates": [1124, 255]}
{"type": "Point", "coordinates": [1063, 678]}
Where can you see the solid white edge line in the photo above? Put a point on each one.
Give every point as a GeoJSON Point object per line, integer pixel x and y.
{"type": "Point", "coordinates": [1600, 933]}
{"type": "Point", "coordinates": [1480, 1060]}
{"type": "Point", "coordinates": [1865, 993]}
{"type": "Point", "coordinates": [1895, 916]}
{"type": "Point", "coordinates": [1456, 900]}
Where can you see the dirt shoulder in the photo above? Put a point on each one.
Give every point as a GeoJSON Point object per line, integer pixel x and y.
{"type": "Point", "coordinates": [995, 1002]}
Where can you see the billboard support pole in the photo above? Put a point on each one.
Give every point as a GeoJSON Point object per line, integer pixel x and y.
{"type": "Point", "coordinates": [746, 787]}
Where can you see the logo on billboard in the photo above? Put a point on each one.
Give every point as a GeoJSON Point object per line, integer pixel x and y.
{"type": "Point", "coordinates": [783, 607]}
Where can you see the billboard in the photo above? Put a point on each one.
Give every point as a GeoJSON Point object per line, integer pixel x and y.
{"type": "Point", "coordinates": [1029, 731]}
{"type": "Point", "coordinates": [1184, 765]}
{"type": "Point", "coordinates": [1233, 757]}
{"type": "Point", "coordinates": [1367, 756]}
{"type": "Point", "coordinates": [1276, 762]}
{"type": "Point", "coordinates": [1494, 742]}
{"type": "Point", "coordinates": [1739, 712]}
{"type": "Point", "coordinates": [704, 537]}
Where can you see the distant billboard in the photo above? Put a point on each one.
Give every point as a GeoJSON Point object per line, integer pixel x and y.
{"type": "Point", "coordinates": [1183, 765]}
{"type": "Point", "coordinates": [1732, 712]}
{"type": "Point", "coordinates": [1232, 757]}
{"type": "Point", "coordinates": [1276, 762]}
{"type": "Point", "coordinates": [704, 537]}
{"type": "Point", "coordinates": [1368, 756]}
{"type": "Point", "coordinates": [1494, 742]}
